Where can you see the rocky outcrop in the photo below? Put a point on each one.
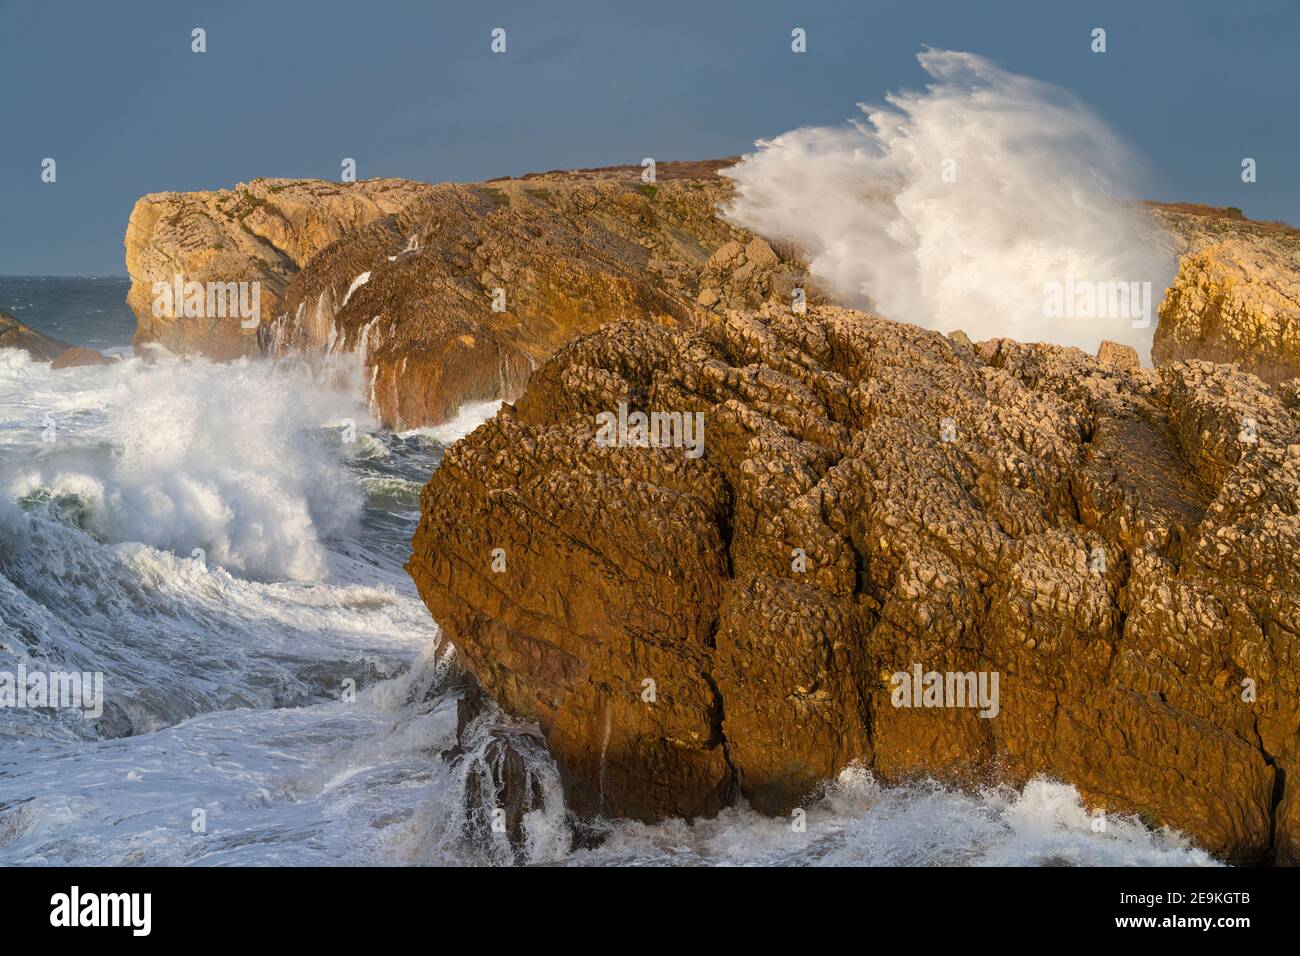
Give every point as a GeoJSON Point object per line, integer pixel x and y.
{"type": "Point", "coordinates": [1117, 545]}
{"type": "Point", "coordinates": [263, 231]}
{"type": "Point", "coordinates": [451, 293]}
{"type": "Point", "coordinates": [77, 357]}
{"type": "Point", "coordinates": [41, 347]}
{"type": "Point", "coordinates": [474, 285]}
{"type": "Point", "coordinates": [1236, 297]}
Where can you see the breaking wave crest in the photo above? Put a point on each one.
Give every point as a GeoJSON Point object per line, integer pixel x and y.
{"type": "Point", "coordinates": [232, 461]}
{"type": "Point", "coordinates": [955, 207]}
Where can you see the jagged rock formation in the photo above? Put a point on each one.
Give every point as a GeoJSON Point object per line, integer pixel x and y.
{"type": "Point", "coordinates": [263, 231]}
{"type": "Point", "coordinates": [1118, 545]}
{"type": "Point", "coordinates": [1237, 294]}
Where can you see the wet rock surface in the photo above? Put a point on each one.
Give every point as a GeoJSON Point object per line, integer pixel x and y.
{"type": "Point", "coordinates": [44, 348]}
{"type": "Point", "coordinates": [41, 347]}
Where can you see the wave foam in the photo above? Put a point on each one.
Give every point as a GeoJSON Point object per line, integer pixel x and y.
{"type": "Point", "coordinates": [230, 460]}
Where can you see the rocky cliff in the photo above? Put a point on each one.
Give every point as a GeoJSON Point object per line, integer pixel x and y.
{"type": "Point", "coordinates": [263, 231]}
{"type": "Point", "coordinates": [450, 293]}
{"type": "Point", "coordinates": [1236, 297]}
{"type": "Point", "coordinates": [1117, 547]}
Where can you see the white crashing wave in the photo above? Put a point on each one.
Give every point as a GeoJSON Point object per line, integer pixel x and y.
{"type": "Point", "coordinates": [226, 459]}
{"type": "Point", "coordinates": [467, 418]}
{"type": "Point", "coordinates": [857, 822]}
{"type": "Point", "coordinates": [956, 206]}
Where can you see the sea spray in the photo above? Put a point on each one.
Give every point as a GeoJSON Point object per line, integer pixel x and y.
{"type": "Point", "coordinates": [956, 207]}
{"type": "Point", "coordinates": [226, 460]}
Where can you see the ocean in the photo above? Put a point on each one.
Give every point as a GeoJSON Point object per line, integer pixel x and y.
{"type": "Point", "coordinates": [224, 543]}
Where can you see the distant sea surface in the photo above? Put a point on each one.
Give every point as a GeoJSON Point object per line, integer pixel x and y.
{"type": "Point", "coordinates": [84, 310]}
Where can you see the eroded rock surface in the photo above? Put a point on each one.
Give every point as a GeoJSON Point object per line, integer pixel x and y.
{"type": "Point", "coordinates": [1236, 297]}
{"type": "Point", "coordinates": [462, 296]}
{"type": "Point", "coordinates": [1118, 545]}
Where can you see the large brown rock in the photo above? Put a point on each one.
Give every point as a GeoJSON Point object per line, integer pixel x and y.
{"type": "Point", "coordinates": [1118, 545]}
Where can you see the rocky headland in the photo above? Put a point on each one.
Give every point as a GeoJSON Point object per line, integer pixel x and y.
{"type": "Point", "coordinates": [873, 498]}
{"type": "Point", "coordinates": [263, 231]}
{"type": "Point", "coordinates": [451, 293]}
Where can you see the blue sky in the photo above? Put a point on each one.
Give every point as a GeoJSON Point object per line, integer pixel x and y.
{"type": "Point", "coordinates": [112, 91]}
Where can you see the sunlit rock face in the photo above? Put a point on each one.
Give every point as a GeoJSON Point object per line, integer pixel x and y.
{"type": "Point", "coordinates": [1237, 294]}
{"type": "Point", "coordinates": [263, 232]}
{"type": "Point", "coordinates": [452, 293]}
{"type": "Point", "coordinates": [1109, 552]}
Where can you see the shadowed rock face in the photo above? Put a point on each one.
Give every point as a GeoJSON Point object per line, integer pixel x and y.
{"type": "Point", "coordinates": [1117, 545]}
{"type": "Point", "coordinates": [1236, 297]}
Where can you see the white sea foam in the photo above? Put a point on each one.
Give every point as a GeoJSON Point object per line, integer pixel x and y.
{"type": "Point", "coordinates": [1039, 197]}
{"type": "Point", "coordinates": [857, 822]}
{"type": "Point", "coordinates": [193, 455]}
{"type": "Point", "coordinates": [467, 418]}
